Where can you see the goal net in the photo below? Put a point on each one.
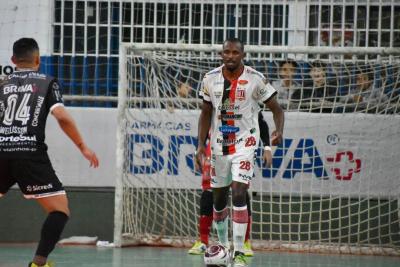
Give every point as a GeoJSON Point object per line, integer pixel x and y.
{"type": "Point", "coordinates": [334, 183]}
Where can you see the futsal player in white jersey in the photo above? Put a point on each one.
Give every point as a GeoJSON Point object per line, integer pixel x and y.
{"type": "Point", "coordinates": [231, 95]}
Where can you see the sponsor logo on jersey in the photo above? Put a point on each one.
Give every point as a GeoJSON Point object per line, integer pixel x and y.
{"type": "Point", "coordinates": [243, 82]}
{"type": "Point", "coordinates": [20, 138]}
{"type": "Point", "coordinates": [226, 117]}
{"type": "Point", "coordinates": [36, 113]}
{"type": "Point", "coordinates": [19, 89]}
{"type": "Point", "coordinates": [240, 94]}
{"type": "Point", "coordinates": [228, 107]}
{"type": "Point", "coordinates": [17, 75]}
{"type": "Point", "coordinates": [226, 129]}
{"type": "Point", "coordinates": [35, 188]}
{"type": "Point", "coordinates": [13, 130]}
{"type": "Point", "coordinates": [37, 75]}
{"type": "Point", "coordinates": [245, 177]}
{"type": "Point", "coordinates": [226, 142]}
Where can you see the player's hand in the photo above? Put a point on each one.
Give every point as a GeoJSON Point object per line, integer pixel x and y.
{"type": "Point", "coordinates": [276, 138]}
{"type": "Point", "coordinates": [267, 157]}
{"type": "Point", "coordinates": [90, 156]}
{"type": "Point", "coordinates": [199, 156]}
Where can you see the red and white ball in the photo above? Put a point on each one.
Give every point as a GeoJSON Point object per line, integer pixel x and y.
{"type": "Point", "coordinates": [216, 255]}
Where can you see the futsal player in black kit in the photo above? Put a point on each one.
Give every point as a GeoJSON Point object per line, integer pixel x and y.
{"type": "Point", "coordinates": [26, 98]}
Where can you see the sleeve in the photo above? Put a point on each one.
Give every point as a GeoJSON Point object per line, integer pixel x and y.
{"type": "Point", "coordinates": [264, 129]}
{"type": "Point", "coordinates": [205, 91]}
{"type": "Point", "coordinates": [54, 96]}
{"type": "Point", "coordinates": [264, 90]}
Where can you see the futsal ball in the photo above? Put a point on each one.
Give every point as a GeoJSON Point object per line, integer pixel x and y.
{"type": "Point", "coordinates": [216, 255]}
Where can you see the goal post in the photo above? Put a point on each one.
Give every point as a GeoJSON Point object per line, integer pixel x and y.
{"type": "Point", "coordinates": [334, 183]}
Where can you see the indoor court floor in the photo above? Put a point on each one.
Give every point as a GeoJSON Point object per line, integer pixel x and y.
{"type": "Point", "coordinates": [90, 256]}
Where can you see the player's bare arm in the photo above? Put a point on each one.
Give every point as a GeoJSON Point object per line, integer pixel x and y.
{"type": "Point", "coordinates": [279, 120]}
{"type": "Point", "coordinates": [204, 128]}
{"type": "Point", "coordinates": [68, 125]}
{"type": "Point", "coordinates": [264, 134]}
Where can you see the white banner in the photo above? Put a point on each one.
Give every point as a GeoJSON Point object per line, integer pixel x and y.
{"type": "Point", "coordinates": [325, 154]}
{"type": "Point", "coordinates": [98, 127]}
{"type": "Point", "coordinates": [340, 154]}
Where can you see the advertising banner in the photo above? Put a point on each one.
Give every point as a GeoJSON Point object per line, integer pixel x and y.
{"type": "Point", "coordinates": [324, 154]}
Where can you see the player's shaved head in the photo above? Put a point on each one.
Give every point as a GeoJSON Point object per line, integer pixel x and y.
{"type": "Point", "coordinates": [25, 50]}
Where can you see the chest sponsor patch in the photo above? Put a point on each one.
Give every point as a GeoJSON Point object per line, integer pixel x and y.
{"type": "Point", "coordinates": [226, 117]}
{"type": "Point", "coordinates": [241, 94]}
{"type": "Point", "coordinates": [226, 129]}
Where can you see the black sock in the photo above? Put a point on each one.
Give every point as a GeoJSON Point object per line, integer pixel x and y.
{"type": "Point", "coordinates": [51, 232]}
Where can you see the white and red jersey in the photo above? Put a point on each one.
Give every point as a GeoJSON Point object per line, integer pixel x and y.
{"type": "Point", "coordinates": [234, 124]}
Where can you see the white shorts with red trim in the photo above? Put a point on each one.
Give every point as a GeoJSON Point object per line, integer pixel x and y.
{"type": "Point", "coordinates": [236, 167]}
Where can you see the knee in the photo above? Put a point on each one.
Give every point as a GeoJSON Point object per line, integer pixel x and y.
{"type": "Point", "coordinates": [64, 210]}
{"type": "Point", "coordinates": [239, 197]}
{"type": "Point", "coordinates": [67, 212]}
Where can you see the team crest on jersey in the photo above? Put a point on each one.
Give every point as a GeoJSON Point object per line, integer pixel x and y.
{"type": "Point", "coordinates": [240, 94]}
{"type": "Point", "coordinates": [243, 82]}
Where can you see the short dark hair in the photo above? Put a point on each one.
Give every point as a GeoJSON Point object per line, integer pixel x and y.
{"type": "Point", "coordinates": [365, 70]}
{"type": "Point", "coordinates": [288, 61]}
{"type": "Point", "coordinates": [319, 64]}
{"type": "Point", "coordinates": [24, 48]}
{"type": "Point", "coordinates": [234, 40]}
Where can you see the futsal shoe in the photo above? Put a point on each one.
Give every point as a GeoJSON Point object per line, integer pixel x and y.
{"type": "Point", "coordinates": [48, 264]}
{"type": "Point", "coordinates": [198, 248]}
{"type": "Point", "coordinates": [248, 252]}
{"type": "Point", "coordinates": [239, 260]}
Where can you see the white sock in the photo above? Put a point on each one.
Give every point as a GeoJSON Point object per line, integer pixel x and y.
{"type": "Point", "coordinates": [222, 227]}
{"type": "Point", "coordinates": [240, 221]}
{"type": "Point", "coordinates": [222, 231]}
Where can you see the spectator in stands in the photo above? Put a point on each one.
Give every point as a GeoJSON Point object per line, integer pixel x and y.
{"type": "Point", "coordinates": [364, 95]}
{"type": "Point", "coordinates": [289, 89]}
{"type": "Point", "coordinates": [391, 84]}
{"type": "Point", "coordinates": [322, 87]}
{"type": "Point", "coordinates": [287, 86]}
{"type": "Point", "coordinates": [321, 92]}
{"type": "Point", "coordinates": [185, 93]}
{"type": "Point", "coordinates": [184, 90]}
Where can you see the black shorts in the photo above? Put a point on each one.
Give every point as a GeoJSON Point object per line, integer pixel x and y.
{"type": "Point", "coordinates": [35, 177]}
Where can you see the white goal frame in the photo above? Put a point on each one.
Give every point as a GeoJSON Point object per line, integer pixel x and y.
{"type": "Point", "coordinates": [387, 53]}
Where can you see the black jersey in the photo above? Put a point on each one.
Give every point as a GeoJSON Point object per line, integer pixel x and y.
{"type": "Point", "coordinates": [26, 97]}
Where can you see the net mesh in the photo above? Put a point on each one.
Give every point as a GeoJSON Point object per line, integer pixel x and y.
{"type": "Point", "coordinates": [333, 185]}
